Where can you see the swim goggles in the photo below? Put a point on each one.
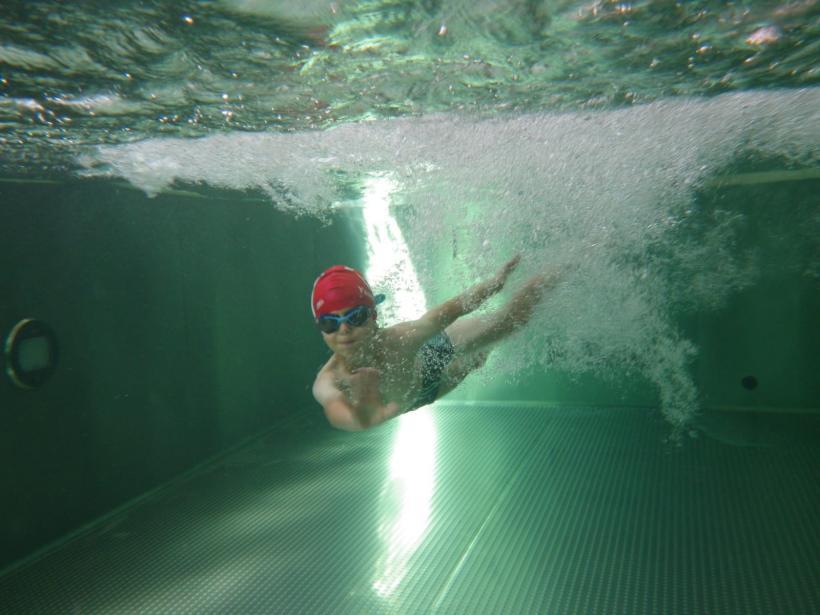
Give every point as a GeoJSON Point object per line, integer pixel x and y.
{"type": "Point", "coordinates": [330, 323]}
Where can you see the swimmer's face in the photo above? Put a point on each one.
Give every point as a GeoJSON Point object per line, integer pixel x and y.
{"type": "Point", "coordinates": [347, 339]}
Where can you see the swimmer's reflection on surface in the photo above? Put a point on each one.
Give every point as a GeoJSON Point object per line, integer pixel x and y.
{"type": "Point", "coordinates": [376, 374]}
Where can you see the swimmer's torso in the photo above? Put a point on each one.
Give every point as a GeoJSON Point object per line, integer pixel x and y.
{"type": "Point", "coordinates": [400, 374]}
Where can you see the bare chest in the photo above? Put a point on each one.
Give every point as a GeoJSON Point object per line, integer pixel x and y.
{"type": "Point", "coordinates": [400, 381]}
{"type": "Point", "coordinates": [399, 378]}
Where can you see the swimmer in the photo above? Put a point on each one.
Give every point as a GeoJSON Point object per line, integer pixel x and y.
{"type": "Point", "coordinates": [376, 374]}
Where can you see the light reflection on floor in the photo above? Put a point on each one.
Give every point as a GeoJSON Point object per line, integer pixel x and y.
{"type": "Point", "coordinates": [404, 506]}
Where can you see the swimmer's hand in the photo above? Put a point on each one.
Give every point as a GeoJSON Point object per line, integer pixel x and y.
{"type": "Point", "coordinates": [471, 299]}
{"type": "Point", "coordinates": [500, 278]}
{"type": "Point", "coordinates": [366, 400]}
{"type": "Point", "coordinates": [548, 277]}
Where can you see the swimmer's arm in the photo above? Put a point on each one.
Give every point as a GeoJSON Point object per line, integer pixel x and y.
{"type": "Point", "coordinates": [442, 316]}
{"type": "Point", "coordinates": [342, 413]}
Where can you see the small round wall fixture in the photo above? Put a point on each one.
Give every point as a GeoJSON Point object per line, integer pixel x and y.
{"type": "Point", "coordinates": [31, 354]}
{"type": "Point", "coordinates": [749, 383]}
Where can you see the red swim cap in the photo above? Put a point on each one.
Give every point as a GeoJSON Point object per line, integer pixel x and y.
{"type": "Point", "coordinates": [339, 288]}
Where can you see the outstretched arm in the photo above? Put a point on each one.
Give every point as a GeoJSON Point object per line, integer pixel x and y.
{"type": "Point", "coordinates": [360, 407]}
{"type": "Point", "coordinates": [442, 316]}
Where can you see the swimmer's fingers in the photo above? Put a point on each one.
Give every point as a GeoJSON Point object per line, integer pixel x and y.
{"type": "Point", "coordinates": [548, 277]}
{"type": "Point", "coordinates": [510, 266]}
{"type": "Point", "coordinates": [503, 273]}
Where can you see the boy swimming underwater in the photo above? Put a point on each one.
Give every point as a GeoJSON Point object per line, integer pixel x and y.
{"type": "Point", "coordinates": [376, 374]}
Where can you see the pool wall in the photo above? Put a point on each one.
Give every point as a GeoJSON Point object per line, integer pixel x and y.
{"type": "Point", "coordinates": [184, 327]}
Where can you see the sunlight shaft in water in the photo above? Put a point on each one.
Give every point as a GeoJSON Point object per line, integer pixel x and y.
{"type": "Point", "coordinates": [389, 261]}
{"type": "Point", "coordinates": [408, 489]}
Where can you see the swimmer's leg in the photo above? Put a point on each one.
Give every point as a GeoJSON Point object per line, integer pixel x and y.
{"type": "Point", "coordinates": [458, 369]}
{"type": "Point", "coordinates": [473, 338]}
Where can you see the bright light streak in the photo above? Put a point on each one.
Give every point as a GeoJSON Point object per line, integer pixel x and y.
{"type": "Point", "coordinates": [408, 491]}
{"type": "Point", "coordinates": [388, 257]}
{"type": "Point", "coordinates": [406, 498]}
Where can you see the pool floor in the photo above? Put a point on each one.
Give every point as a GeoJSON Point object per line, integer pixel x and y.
{"type": "Point", "coordinates": [464, 508]}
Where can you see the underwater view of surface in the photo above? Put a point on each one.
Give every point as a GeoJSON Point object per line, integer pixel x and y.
{"type": "Point", "coordinates": [579, 134]}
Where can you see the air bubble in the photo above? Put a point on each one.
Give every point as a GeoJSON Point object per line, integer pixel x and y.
{"type": "Point", "coordinates": [609, 194]}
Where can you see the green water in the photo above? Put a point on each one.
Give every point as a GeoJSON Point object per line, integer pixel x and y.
{"type": "Point", "coordinates": [590, 136]}
{"type": "Point", "coordinates": [173, 175]}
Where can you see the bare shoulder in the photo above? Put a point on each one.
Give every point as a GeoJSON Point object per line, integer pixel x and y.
{"type": "Point", "coordinates": [324, 385]}
{"type": "Point", "coordinates": [335, 404]}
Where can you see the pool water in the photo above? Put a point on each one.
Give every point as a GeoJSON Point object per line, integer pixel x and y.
{"type": "Point", "coordinates": [174, 176]}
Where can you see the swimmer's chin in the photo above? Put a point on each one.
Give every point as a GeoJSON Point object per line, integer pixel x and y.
{"type": "Point", "coordinates": [346, 348]}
